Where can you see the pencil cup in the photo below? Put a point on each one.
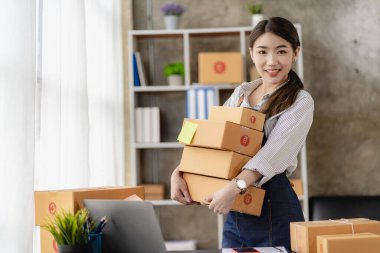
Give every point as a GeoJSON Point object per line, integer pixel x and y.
{"type": "Point", "coordinates": [95, 241]}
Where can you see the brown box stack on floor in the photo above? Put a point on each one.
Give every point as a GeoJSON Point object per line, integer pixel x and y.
{"type": "Point", "coordinates": [219, 149]}
{"type": "Point", "coordinates": [335, 236]}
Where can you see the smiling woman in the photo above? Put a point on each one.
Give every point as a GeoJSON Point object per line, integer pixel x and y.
{"type": "Point", "coordinates": [274, 46]}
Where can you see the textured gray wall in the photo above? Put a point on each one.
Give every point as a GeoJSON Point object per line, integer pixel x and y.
{"type": "Point", "coordinates": [341, 48]}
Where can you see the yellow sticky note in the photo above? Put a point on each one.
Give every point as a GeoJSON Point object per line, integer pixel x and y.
{"type": "Point", "coordinates": [187, 132]}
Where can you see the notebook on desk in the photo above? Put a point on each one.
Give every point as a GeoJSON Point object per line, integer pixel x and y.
{"type": "Point", "coordinates": [132, 226]}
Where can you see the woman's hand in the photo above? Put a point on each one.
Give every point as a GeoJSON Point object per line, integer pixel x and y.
{"type": "Point", "coordinates": [179, 191]}
{"type": "Point", "coordinates": [222, 200]}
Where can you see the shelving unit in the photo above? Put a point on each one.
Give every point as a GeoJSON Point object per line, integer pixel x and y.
{"type": "Point", "coordinates": [157, 89]}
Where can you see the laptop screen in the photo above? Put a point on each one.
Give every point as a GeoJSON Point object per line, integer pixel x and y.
{"type": "Point", "coordinates": [132, 226]}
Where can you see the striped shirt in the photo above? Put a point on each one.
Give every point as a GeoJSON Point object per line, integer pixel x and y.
{"type": "Point", "coordinates": [285, 132]}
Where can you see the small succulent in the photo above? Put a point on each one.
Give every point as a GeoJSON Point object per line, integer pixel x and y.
{"type": "Point", "coordinates": [255, 7]}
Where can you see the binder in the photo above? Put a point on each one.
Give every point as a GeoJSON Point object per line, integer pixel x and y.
{"type": "Point", "coordinates": [136, 79]}
{"type": "Point", "coordinates": [140, 69]}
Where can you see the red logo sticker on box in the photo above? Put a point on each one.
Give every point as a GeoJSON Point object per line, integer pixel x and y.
{"type": "Point", "coordinates": [52, 208]}
{"type": "Point", "coordinates": [247, 199]}
{"type": "Point", "coordinates": [219, 67]}
{"type": "Point", "coordinates": [55, 246]}
{"type": "Point", "coordinates": [253, 119]}
{"type": "Point", "coordinates": [244, 140]}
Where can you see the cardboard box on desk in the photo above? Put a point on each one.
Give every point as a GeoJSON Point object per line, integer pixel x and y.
{"type": "Point", "coordinates": [212, 162]}
{"type": "Point", "coordinates": [48, 202]}
{"type": "Point", "coordinates": [154, 191]}
{"type": "Point", "coordinates": [220, 67]}
{"type": "Point", "coordinates": [303, 235]}
{"type": "Point", "coordinates": [239, 115]}
{"type": "Point", "coordinates": [348, 243]}
{"type": "Point", "coordinates": [202, 186]}
{"type": "Point", "coordinates": [226, 136]}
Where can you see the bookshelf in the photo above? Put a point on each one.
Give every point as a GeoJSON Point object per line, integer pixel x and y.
{"type": "Point", "coordinates": [182, 44]}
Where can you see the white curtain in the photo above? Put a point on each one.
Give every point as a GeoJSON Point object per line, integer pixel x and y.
{"type": "Point", "coordinates": [79, 139]}
{"type": "Point", "coordinates": [17, 84]}
{"type": "Point", "coordinates": [66, 131]}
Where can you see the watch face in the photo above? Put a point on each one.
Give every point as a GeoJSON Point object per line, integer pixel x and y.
{"type": "Point", "coordinates": [241, 184]}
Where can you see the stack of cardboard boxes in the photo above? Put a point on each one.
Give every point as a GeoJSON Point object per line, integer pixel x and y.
{"type": "Point", "coordinates": [336, 236]}
{"type": "Point", "coordinates": [216, 151]}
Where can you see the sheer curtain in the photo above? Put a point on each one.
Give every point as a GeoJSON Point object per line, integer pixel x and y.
{"type": "Point", "coordinates": [79, 119]}
{"type": "Point", "coordinates": [17, 84]}
{"type": "Point", "coordinates": [79, 139]}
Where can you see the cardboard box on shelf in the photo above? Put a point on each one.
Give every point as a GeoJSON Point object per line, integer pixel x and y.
{"type": "Point", "coordinates": [48, 202]}
{"type": "Point", "coordinates": [303, 235]}
{"type": "Point", "coordinates": [297, 186]}
{"type": "Point", "coordinates": [239, 115]}
{"type": "Point", "coordinates": [154, 191]}
{"type": "Point", "coordinates": [348, 243]}
{"type": "Point", "coordinates": [212, 162]}
{"type": "Point", "coordinates": [220, 67]}
{"type": "Point", "coordinates": [203, 186]}
{"type": "Point", "coordinates": [226, 136]}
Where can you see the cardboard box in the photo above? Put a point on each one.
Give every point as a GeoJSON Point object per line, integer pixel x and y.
{"type": "Point", "coordinates": [212, 162]}
{"type": "Point", "coordinates": [154, 191]}
{"type": "Point", "coordinates": [202, 186]}
{"type": "Point", "coordinates": [48, 202]}
{"type": "Point", "coordinates": [348, 243]}
{"type": "Point", "coordinates": [297, 186]}
{"type": "Point", "coordinates": [226, 136]}
{"type": "Point", "coordinates": [220, 67]}
{"type": "Point", "coordinates": [303, 235]}
{"type": "Point", "coordinates": [239, 115]}
{"type": "Point", "coordinates": [48, 244]}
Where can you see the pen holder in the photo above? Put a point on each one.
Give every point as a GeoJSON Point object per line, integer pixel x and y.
{"type": "Point", "coordinates": [95, 242]}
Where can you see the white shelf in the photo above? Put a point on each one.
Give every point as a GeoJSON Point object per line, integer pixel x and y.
{"type": "Point", "coordinates": [195, 31]}
{"type": "Point", "coordinates": [159, 88]}
{"type": "Point", "coordinates": [158, 145]}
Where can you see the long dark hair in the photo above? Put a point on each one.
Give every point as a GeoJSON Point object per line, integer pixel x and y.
{"type": "Point", "coordinates": [284, 97]}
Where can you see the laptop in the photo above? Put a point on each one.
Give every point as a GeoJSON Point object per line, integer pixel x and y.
{"type": "Point", "coordinates": [132, 226]}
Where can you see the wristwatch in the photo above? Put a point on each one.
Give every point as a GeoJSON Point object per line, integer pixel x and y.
{"type": "Point", "coordinates": [241, 184]}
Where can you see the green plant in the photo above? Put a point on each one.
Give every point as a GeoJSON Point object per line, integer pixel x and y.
{"type": "Point", "coordinates": [176, 68]}
{"type": "Point", "coordinates": [255, 7]}
{"type": "Point", "coordinates": [68, 228]}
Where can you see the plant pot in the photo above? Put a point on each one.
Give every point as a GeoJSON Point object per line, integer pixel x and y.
{"type": "Point", "coordinates": [73, 248]}
{"type": "Point", "coordinates": [175, 80]}
{"type": "Point", "coordinates": [256, 18]}
{"type": "Point", "coordinates": [171, 22]}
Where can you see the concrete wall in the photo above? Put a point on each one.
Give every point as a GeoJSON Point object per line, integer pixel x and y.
{"type": "Point", "coordinates": [341, 47]}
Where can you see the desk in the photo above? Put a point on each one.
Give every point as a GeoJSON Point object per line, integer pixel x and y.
{"type": "Point", "coordinates": [260, 249]}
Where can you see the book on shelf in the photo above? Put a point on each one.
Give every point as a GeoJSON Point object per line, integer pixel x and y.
{"type": "Point", "coordinates": [136, 79]}
{"type": "Point", "coordinates": [147, 124]}
{"type": "Point", "coordinates": [140, 69]}
{"type": "Point", "coordinates": [199, 101]}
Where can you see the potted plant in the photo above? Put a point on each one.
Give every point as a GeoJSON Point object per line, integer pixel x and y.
{"type": "Point", "coordinates": [172, 12]}
{"type": "Point", "coordinates": [175, 73]}
{"type": "Point", "coordinates": [71, 231]}
{"type": "Point", "coordinates": [256, 9]}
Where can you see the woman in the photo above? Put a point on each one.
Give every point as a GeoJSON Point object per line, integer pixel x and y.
{"type": "Point", "coordinates": [274, 46]}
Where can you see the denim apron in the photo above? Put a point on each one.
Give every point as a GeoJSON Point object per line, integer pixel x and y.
{"type": "Point", "coordinates": [280, 207]}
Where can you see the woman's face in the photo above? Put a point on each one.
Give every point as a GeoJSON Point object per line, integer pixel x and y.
{"type": "Point", "coordinates": [273, 57]}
